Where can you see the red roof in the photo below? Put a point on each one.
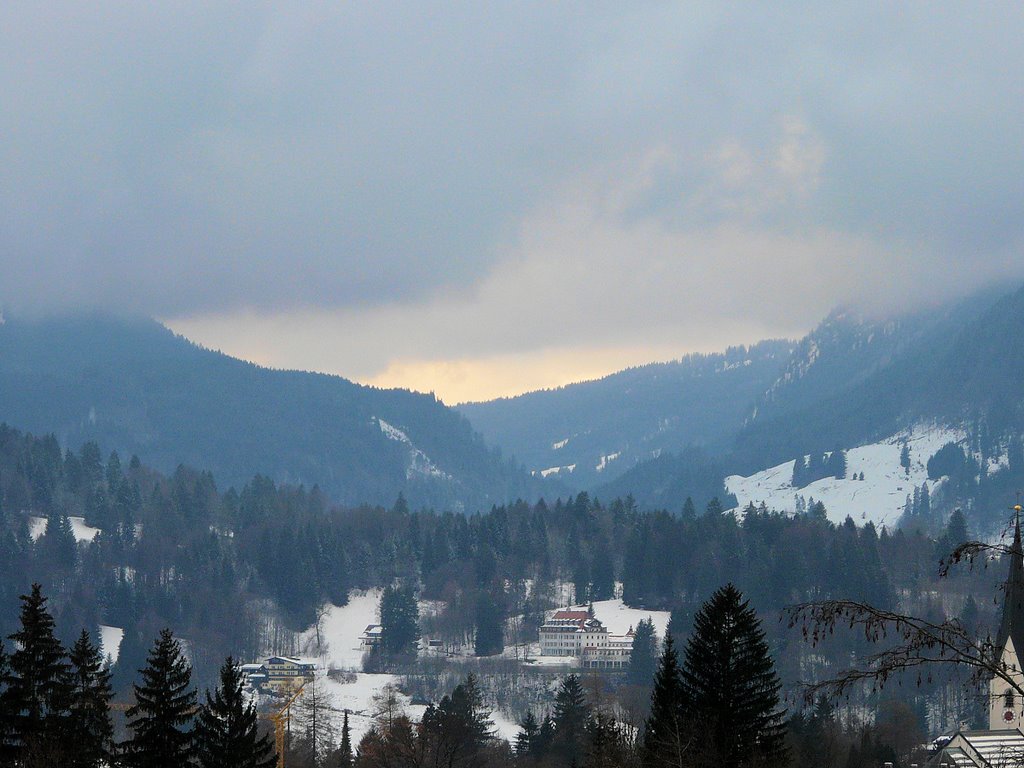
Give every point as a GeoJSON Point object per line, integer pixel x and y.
{"type": "Point", "coordinates": [571, 615]}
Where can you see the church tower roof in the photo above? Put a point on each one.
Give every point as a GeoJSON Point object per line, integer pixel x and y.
{"type": "Point", "coordinates": [1012, 626]}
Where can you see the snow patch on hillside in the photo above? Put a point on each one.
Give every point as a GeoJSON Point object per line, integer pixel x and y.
{"type": "Point", "coordinates": [110, 642]}
{"type": "Point", "coordinates": [878, 498]}
{"type": "Point", "coordinates": [504, 727]}
{"type": "Point", "coordinates": [36, 527]}
{"type": "Point", "coordinates": [81, 531]}
{"type": "Point", "coordinates": [560, 444]}
{"type": "Point", "coordinates": [606, 460]}
{"type": "Point", "coordinates": [568, 469]}
{"type": "Point", "coordinates": [419, 463]}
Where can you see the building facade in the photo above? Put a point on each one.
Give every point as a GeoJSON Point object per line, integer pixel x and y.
{"type": "Point", "coordinates": [288, 673]}
{"type": "Point", "coordinates": [579, 635]}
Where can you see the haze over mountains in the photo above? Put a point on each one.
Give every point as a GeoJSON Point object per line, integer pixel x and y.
{"type": "Point", "coordinates": [674, 427]}
{"type": "Point", "coordinates": [662, 432]}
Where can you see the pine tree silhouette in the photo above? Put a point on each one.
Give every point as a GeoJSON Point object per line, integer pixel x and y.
{"type": "Point", "coordinates": [643, 658]}
{"type": "Point", "coordinates": [570, 720]}
{"type": "Point", "coordinates": [345, 756]}
{"type": "Point", "coordinates": [164, 708]}
{"type": "Point", "coordinates": [666, 738]}
{"type": "Point", "coordinates": [730, 689]}
{"type": "Point", "coordinates": [90, 732]}
{"type": "Point", "coordinates": [38, 685]}
{"type": "Point", "coordinates": [526, 739]}
{"type": "Point", "coordinates": [227, 732]}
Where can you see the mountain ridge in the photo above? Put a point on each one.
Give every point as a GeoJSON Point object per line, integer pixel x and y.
{"type": "Point", "coordinates": [133, 385]}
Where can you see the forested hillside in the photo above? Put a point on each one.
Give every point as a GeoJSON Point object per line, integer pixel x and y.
{"type": "Point", "coordinates": [853, 381]}
{"type": "Point", "coordinates": [132, 385]}
{"type": "Point", "coordinates": [236, 572]}
{"type": "Point", "coordinates": [592, 432]}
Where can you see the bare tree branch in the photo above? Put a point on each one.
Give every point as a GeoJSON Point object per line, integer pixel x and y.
{"type": "Point", "coordinates": [917, 643]}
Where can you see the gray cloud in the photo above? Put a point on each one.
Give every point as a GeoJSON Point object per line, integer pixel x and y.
{"type": "Point", "coordinates": [195, 159]}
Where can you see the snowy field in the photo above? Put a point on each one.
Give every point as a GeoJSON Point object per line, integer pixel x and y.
{"type": "Point", "coordinates": [340, 629]}
{"type": "Point", "coordinates": [878, 498]}
{"type": "Point", "coordinates": [341, 626]}
{"type": "Point", "coordinates": [357, 698]}
{"type": "Point", "coordinates": [618, 618]}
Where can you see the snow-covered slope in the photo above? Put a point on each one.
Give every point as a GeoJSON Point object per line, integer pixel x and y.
{"type": "Point", "coordinates": [419, 462]}
{"type": "Point", "coordinates": [619, 619]}
{"type": "Point", "coordinates": [340, 629]}
{"type": "Point", "coordinates": [879, 497]}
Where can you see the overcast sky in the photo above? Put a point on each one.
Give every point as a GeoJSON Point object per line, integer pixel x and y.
{"type": "Point", "coordinates": [483, 198]}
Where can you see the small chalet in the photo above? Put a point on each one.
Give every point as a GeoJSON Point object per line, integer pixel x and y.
{"type": "Point", "coordinates": [255, 675]}
{"type": "Point", "coordinates": [370, 638]}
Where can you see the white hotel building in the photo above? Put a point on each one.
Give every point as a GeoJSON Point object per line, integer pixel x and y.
{"type": "Point", "coordinates": [577, 634]}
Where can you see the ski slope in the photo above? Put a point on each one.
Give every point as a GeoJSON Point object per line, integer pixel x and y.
{"type": "Point", "coordinates": [878, 498]}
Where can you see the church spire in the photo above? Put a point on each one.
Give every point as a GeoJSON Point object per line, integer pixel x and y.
{"type": "Point", "coordinates": [1012, 626]}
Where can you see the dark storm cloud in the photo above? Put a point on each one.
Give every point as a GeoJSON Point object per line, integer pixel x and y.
{"type": "Point", "coordinates": [189, 159]}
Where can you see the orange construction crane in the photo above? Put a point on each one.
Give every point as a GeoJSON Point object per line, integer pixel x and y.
{"type": "Point", "coordinates": [279, 719]}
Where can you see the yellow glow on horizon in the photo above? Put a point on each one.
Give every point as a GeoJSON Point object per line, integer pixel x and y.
{"type": "Point", "coordinates": [487, 378]}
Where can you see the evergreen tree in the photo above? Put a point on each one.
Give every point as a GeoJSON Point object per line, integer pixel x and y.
{"type": "Point", "coordinates": [730, 689]}
{"type": "Point", "coordinates": [689, 513]}
{"type": "Point", "coordinates": [570, 721]}
{"type": "Point", "coordinates": [954, 535]}
{"type": "Point", "coordinates": [545, 737]}
{"type": "Point", "coordinates": [345, 757]}
{"type": "Point", "coordinates": [227, 733]}
{"type": "Point", "coordinates": [606, 745]}
{"type": "Point", "coordinates": [38, 686]}
{"type": "Point", "coordinates": [580, 578]}
{"type": "Point", "coordinates": [399, 618]}
{"type": "Point", "coordinates": [837, 464]}
{"type": "Point", "coordinates": [799, 472]}
{"type": "Point", "coordinates": [90, 731]}
{"type": "Point", "coordinates": [58, 543]}
{"type": "Point", "coordinates": [680, 621]}
{"type": "Point", "coordinates": [602, 572]}
{"type": "Point", "coordinates": [489, 639]}
{"type": "Point", "coordinates": [526, 739]}
{"type": "Point", "coordinates": [458, 728]}
{"type": "Point", "coordinates": [643, 659]}
{"type": "Point", "coordinates": [7, 746]}
{"type": "Point", "coordinates": [161, 717]}
{"type": "Point", "coordinates": [665, 737]}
